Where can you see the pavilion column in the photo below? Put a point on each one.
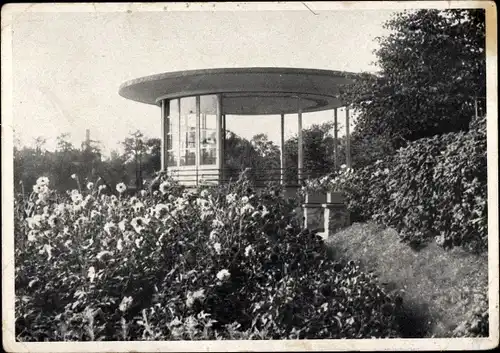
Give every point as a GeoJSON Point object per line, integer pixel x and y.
{"type": "Point", "coordinates": [335, 140]}
{"type": "Point", "coordinates": [223, 162]}
{"type": "Point", "coordinates": [282, 150]}
{"type": "Point", "coordinates": [220, 152]}
{"type": "Point", "coordinates": [165, 126]}
{"type": "Point", "coordinates": [300, 162]}
{"type": "Point", "coordinates": [347, 139]}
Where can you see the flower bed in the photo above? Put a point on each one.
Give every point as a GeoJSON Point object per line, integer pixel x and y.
{"type": "Point", "coordinates": [215, 263]}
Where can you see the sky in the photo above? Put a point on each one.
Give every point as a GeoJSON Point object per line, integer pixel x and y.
{"type": "Point", "coordinates": [67, 67]}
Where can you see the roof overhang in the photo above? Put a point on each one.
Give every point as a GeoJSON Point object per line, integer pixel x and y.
{"type": "Point", "coordinates": [256, 91]}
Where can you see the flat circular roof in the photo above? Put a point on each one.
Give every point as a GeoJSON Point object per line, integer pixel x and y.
{"type": "Point", "coordinates": [254, 90]}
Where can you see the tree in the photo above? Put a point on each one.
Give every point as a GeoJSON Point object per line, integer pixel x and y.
{"type": "Point", "coordinates": [318, 152]}
{"type": "Point", "coordinates": [152, 160]}
{"type": "Point", "coordinates": [267, 159]}
{"type": "Point", "coordinates": [135, 149]}
{"type": "Point", "coordinates": [63, 143]}
{"type": "Point", "coordinates": [239, 155]}
{"type": "Point", "coordinates": [432, 68]}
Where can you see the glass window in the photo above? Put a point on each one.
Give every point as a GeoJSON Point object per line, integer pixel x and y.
{"type": "Point", "coordinates": [208, 130]}
{"type": "Point", "coordinates": [173, 134]}
{"type": "Point", "coordinates": [188, 131]}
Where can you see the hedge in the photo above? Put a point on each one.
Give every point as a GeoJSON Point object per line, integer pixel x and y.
{"type": "Point", "coordinates": [433, 189]}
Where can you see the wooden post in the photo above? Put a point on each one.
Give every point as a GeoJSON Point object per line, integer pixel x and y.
{"type": "Point", "coordinates": [282, 150]}
{"type": "Point", "coordinates": [300, 162]}
{"type": "Point", "coordinates": [219, 137]}
{"type": "Point", "coordinates": [223, 162]}
{"type": "Point", "coordinates": [335, 140]}
{"type": "Point", "coordinates": [165, 126]}
{"type": "Point", "coordinates": [347, 139]}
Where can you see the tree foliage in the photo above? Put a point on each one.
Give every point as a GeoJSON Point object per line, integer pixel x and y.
{"type": "Point", "coordinates": [432, 67]}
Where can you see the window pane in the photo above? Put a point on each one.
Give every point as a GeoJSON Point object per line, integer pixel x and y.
{"type": "Point", "coordinates": [174, 115]}
{"type": "Point", "coordinates": [171, 159]}
{"type": "Point", "coordinates": [188, 131]}
{"type": "Point", "coordinates": [208, 156]}
{"type": "Point", "coordinates": [173, 136]}
{"type": "Point", "coordinates": [208, 138]}
{"type": "Point", "coordinates": [188, 156]}
{"type": "Point", "coordinates": [208, 132]}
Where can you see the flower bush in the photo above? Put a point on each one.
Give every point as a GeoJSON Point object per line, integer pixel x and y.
{"type": "Point", "coordinates": [226, 262]}
{"type": "Point", "coordinates": [333, 182]}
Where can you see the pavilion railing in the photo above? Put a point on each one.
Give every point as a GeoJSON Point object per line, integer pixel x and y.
{"type": "Point", "coordinates": [258, 177]}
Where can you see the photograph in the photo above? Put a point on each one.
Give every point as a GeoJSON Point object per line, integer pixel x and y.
{"type": "Point", "coordinates": [237, 176]}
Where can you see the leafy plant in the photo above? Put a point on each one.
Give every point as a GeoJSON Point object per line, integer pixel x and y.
{"type": "Point", "coordinates": [220, 262]}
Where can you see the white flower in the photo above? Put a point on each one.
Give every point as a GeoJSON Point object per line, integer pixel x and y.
{"type": "Point", "coordinates": [160, 210]}
{"type": "Point", "coordinates": [155, 193]}
{"type": "Point", "coordinates": [139, 224]}
{"type": "Point", "coordinates": [36, 188]}
{"type": "Point", "coordinates": [77, 207]}
{"type": "Point", "coordinates": [53, 221]}
{"type": "Point", "coordinates": [35, 221]}
{"type": "Point", "coordinates": [247, 208]}
{"type": "Point", "coordinates": [122, 225]}
{"type": "Point", "coordinates": [119, 244]}
{"type": "Point", "coordinates": [60, 208]}
{"type": "Point", "coordinates": [138, 206]}
{"type": "Point", "coordinates": [121, 187]}
{"type": "Point", "coordinates": [32, 235]}
{"type": "Point", "coordinates": [164, 187]}
{"type": "Point", "coordinates": [217, 248]}
{"type": "Point", "coordinates": [244, 199]}
{"type": "Point", "coordinates": [91, 273]}
{"type": "Point", "coordinates": [223, 275]}
{"type": "Point", "coordinates": [94, 214]}
{"type": "Point", "coordinates": [138, 242]}
{"type": "Point", "coordinates": [248, 250]}
{"type": "Point", "coordinates": [125, 304]}
{"type": "Point", "coordinates": [230, 198]}
{"type": "Point", "coordinates": [90, 185]}
{"type": "Point", "coordinates": [42, 181]}
{"type": "Point", "coordinates": [193, 296]}
{"type": "Point", "coordinates": [73, 176]}
{"type": "Point", "coordinates": [102, 187]}
{"type": "Point", "coordinates": [202, 203]}
{"type": "Point", "coordinates": [108, 227]}
{"type": "Point", "coordinates": [76, 197]}
{"type": "Point", "coordinates": [143, 193]}
{"type": "Point", "coordinates": [343, 166]}
{"type": "Point", "coordinates": [204, 193]}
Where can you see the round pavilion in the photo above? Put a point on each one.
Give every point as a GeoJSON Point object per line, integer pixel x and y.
{"type": "Point", "coordinates": [194, 105]}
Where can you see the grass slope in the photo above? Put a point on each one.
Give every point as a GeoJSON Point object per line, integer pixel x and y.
{"type": "Point", "coordinates": [439, 288]}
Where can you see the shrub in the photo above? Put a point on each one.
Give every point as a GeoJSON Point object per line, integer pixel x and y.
{"type": "Point", "coordinates": [435, 188]}
{"type": "Point", "coordinates": [225, 262]}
